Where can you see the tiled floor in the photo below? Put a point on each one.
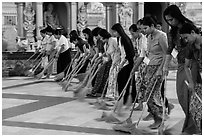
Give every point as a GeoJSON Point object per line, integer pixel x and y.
{"type": "Point", "coordinates": [40, 107]}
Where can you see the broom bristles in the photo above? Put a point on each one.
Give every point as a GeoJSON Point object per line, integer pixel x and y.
{"type": "Point", "coordinates": [39, 75]}
{"type": "Point", "coordinates": [129, 101]}
{"type": "Point", "coordinates": [119, 105]}
{"type": "Point", "coordinates": [81, 94]}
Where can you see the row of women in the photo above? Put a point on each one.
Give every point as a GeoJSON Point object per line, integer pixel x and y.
{"type": "Point", "coordinates": [148, 53]}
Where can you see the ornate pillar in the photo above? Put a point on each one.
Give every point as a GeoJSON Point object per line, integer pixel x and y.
{"type": "Point", "coordinates": [73, 16]}
{"type": "Point", "coordinates": [126, 16]}
{"type": "Point", "coordinates": [28, 24]}
{"type": "Point", "coordinates": [108, 27]}
{"type": "Point", "coordinates": [140, 10]}
{"type": "Point", "coordinates": [69, 16]}
{"type": "Point", "coordinates": [20, 18]}
{"type": "Point", "coordinates": [82, 19]}
{"type": "Point", "coordinates": [39, 17]}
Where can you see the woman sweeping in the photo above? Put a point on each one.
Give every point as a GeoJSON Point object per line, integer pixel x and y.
{"type": "Point", "coordinates": [63, 52]}
{"type": "Point", "coordinates": [81, 47]}
{"type": "Point", "coordinates": [157, 47]}
{"type": "Point", "coordinates": [113, 54]}
{"type": "Point", "coordinates": [126, 65]}
{"type": "Point", "coordinates": [103, 73]}
{"type": "Point", "coordinates": [193, 69]}
{"type": "Point", "coordinates": [177, 47]}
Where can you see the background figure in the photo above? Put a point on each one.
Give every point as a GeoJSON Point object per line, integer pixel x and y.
{"type": "Point", "coordinates": [159, 26]}
{"type": "Point", "coordinates": [51, 17]}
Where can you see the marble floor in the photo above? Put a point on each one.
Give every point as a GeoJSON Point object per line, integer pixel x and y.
{"type": "Point", "coordinates": [40, 107]}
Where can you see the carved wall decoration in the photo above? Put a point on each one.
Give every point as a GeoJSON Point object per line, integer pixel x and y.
{"type": "Point", "coordinates": [82, 19]}
{"type": "Point", "coordinates": [29, 25]}
{"type": "Point", "coordinates": [125, 16]}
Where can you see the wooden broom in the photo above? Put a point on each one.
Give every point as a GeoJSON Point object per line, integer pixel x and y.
{"type": "Point", "coordinates": [70, 66]}
{"type": "Point", "coordinates": [129, 99]}
{"type": "Point", "coordinates": [88, 87]}
{"type": "Point", "coordinates": [42, 73]}
{"type": "Point", "coordinates": [68, 76]}
{"type": "Point", "coordinates": [32, 71]}
{"type": "Point", "coordinates": [84, 82]}
{"type": "Point", "coordinates": [118, 105]}
{"type": "Point", "coordinates": [161, 127]}
{"type": "Point", "coordinates": [74, 73]}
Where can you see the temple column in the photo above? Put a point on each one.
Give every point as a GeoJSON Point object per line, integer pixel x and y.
{"type": "Point", "coordinates": [108, 18]}
{"type": "Point", "coordinates": [20, 19]}
{"type": "Point", "coordinates": [73, 16]}
{"type": "Point", "coordinates": [140, 10]}
{"type": "Point", "coordinates": [39, 17]}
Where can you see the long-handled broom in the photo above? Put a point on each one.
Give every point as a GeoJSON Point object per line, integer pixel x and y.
{"type": "Point", "coordinates": [161, 127]}
{"type": "Point", "coordinates": [130, 126]}
{"type": "Point", "coordinates": [110, 118]}
{"type": "Point", "coordinates": [73, 75]}
{"type": "Point", "coordinates": [39, 76]}
{"type": "Point", "coordinates": [146, 103]}
{"type": "Point", "coordinates": [129, 99]}
{"type": "Point", "coordinates": [27, 72]}
{"type": "Point", "coordinates": [85, 81]}
{"type": "Point", "coordinates": [70, 66]}
{"type": "Point", "coordinates": [88, 87]}
{"type": "Point", "coordinates": [32, 71]}
{"type": "Point", "coordinates": [120, 100]}
{"type": "Point", "coordinates": [69, 74]}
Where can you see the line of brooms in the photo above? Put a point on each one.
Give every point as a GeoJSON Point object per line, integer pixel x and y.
{"type": "Point", "coordinates": [85, 87]}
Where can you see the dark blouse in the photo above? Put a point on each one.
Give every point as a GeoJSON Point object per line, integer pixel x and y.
{"type": "Point", "coordinates": [179, 45]}
{"type": "Point", "coordinates": [80, 45]}
{"type": "Point", "coordinates": [100, 46]}
{"type": "Point", "coordinates": [129, 50]}
{"type": "Point", "coordinates": [195, 56]}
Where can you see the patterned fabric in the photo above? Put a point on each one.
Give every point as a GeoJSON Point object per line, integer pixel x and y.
{"type": "Point", "coordinates": [101, 78]}
{"type": "Point", "coordinates": [196, 106]}
{"type": "Point", "coordinates": [139, 84]}
{"type": "Point", "coordinates": [147, 86]}
{"type": "Point", "coordinates": [112, 81]}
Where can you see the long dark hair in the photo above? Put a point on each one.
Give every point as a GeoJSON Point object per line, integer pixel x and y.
{"type": "Point", "coordinates": [175, 12]}
{"type": "Point", "coordinates": [104, 34]}
{"type": "Point", "coordinates": [149, 20]}
{"type": "Point", "coordinates": [125, 40]}
{"type": "Point", "coordinates": [89, 33]}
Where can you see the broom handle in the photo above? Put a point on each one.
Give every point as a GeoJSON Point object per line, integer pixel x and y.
{"type": "Point", "coordinates": [34, 69]}
{"type": "Point", "coordinates": [92, 77]}
{"type": "Point", "coordinates": [30, 58]}
{"type": "Point", "coordinates": [133, 106]}
{"type": "Point", "coordinates": [146, 103]}
{"type": "Point", "coordinates": [50, 63]}
{"type": "Point", "coordinates": [94, 72]}
{"type": "Point", "coordinates": [71, 76]}
{"type": "Point", "coordinates": [123, 92]}
{"type": "Point", "coordinates": [93, 68]}
{"type": "Point", "coordinates": [194, 92]}
{"type": "Point", "coordinates": [68, 75]}
{"type": "Point", "coordinates": [77, 67]}
{"type": "Point", "coordinates": [104, 89]}
{"type": "Point", "coordinates": [71, 63]}
{"type": "Point", "coordinates": [41, 53]}
{"type": "Point", "coordinates": [124, 89]}
{"type": "Point", "coordinates": [163, 105]}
